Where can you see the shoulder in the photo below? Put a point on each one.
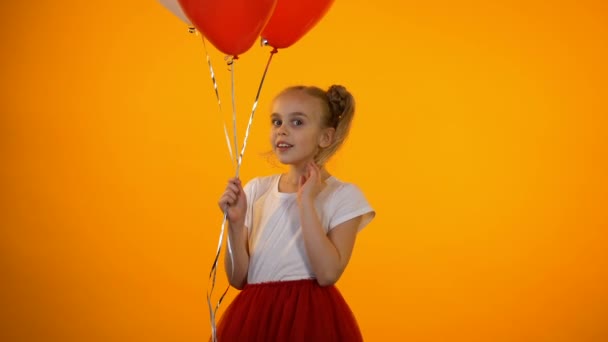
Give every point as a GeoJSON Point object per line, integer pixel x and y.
{"type": "Point", "coordinates": [346, 201]}
{"type": "Point", "coordinates": [341, 189]}
{"type": "Point", "coordinates": [345, 194]}
{"type": "Point", "coordinates": [260, 184]}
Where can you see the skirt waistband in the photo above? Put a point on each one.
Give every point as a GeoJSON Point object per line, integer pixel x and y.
{"type": "Point", "coordinates": [296, 282]}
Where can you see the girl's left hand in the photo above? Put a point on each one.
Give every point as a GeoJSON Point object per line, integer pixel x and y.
{"type": "Point", "coordinates": [310, 185]}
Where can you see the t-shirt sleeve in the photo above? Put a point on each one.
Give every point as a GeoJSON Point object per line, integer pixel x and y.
{"type": "Point", "coordinates": [349, 202]}
{"type": "Point", "coordinates": [250, 193]}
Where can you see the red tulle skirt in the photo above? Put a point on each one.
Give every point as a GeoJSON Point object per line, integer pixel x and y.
{"type": "Point", "coordinates": [299, 310]}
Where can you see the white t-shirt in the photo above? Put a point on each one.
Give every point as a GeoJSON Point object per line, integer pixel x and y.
{"type": "Point", "coordinates": [276, 246]}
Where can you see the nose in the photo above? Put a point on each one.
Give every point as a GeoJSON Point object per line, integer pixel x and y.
{"type": "Point", "coordinates": [281, 130]}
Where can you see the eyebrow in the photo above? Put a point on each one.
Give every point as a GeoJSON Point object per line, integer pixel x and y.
{"type": "Point", "coordinates": [274, 115]}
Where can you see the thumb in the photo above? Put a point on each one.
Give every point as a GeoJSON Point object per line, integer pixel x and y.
{"type": "Point", "coordinates": [242, 195]}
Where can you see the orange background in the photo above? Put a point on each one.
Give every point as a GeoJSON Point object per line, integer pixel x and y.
{"type": "Point", "coordinates": [480, 139]}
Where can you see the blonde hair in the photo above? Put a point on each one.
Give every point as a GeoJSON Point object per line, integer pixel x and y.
{"type": "Point", "coordinates": [338, 110]}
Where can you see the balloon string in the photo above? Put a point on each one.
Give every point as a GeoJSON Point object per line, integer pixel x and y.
{"type": "Point", "coordinates": [213, 273]}
{"type": "Point", "coordinates": [217, 96]}
{"type": "Point", "coordinates": [232, 64]}
{"type": "Point", "coordinates": [254, 107]}
{"type": "Point", "coordinates": [212, 277]}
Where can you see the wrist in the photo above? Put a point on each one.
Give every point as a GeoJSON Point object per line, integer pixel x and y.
{"type": "Point", "coordinates": [236, 225]}
{"type": "Point", "coordinates": [305, 203]}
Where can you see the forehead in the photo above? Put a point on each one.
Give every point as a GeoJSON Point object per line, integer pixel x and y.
{"type": "Point", "coordinates": [297, 102]}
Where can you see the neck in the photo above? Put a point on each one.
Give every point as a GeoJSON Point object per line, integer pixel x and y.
{"type": "Point", "coordinates": [292, 177]}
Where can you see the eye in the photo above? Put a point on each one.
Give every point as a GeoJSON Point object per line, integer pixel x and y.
{"type": "Point", "coordinates": [298, 122]}
{"type": "Point", "coordinates": [276, 122]}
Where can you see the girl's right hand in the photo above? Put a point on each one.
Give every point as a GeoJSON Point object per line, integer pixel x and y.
{"type": "Point", "coordinates": [234, 202]}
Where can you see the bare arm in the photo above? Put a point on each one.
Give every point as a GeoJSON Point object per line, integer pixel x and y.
{"type": "Point", "coordinates": [237, 238]}
{"type": "Point", "coordinates": [328, 254]}
{"type": "Point", "coordinates": [234, 203]}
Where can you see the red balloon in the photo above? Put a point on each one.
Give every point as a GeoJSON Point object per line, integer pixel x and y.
{"type": "Point", "coordinates": [292, 19]}
{"type": "Point", "coordinates": [231, 26]}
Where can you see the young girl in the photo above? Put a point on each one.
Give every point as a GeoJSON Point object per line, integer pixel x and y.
{"type": "Point", "coordinates": [292, 234]}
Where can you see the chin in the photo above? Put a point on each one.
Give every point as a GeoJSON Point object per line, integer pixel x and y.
{"type": "Point", "coordinates": [284, 161]}
{"type": "Point", "coordinates": [290, 162]}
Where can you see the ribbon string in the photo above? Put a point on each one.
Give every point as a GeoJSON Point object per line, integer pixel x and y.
{"type": "Point", "coordinates": [239, 161]}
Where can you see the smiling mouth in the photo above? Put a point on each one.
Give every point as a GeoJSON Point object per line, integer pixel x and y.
{"type": "Point", "coordinates": [284, 145]}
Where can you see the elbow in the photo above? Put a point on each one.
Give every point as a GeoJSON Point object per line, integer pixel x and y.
{"type": "Point", "coordinates": [238, 284]}
{"type": "Point", "coordinates": [328, 278]}
{"type": "Point", "coordinates": [325, 282]}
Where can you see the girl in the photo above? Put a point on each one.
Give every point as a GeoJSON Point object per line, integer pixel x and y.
{"type": "Point", "coordinates": [292, 234]}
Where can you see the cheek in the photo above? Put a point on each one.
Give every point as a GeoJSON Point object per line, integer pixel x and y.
{"type": "Point", "coordinates": [315, 143]}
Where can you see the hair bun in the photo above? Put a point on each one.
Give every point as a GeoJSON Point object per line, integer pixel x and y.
{"type": "Point", "coordinates": [337, 97]}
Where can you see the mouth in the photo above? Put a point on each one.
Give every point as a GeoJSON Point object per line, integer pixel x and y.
{"type": "Point", "coordinates": [283, 146]}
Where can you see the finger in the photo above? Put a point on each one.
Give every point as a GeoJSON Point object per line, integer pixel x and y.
{"type": "Point", "coordinates": [225, 207]}
{"type": "Point", "coordinates": [318, 171]}
{"type": "Point", "coordinates": [232, 197]}
{"type": "Point", "coordinates": [309, 170]}
{"type": "Point", "coordinates": [223, 203]}
{"type": "Point", "coordinates": [312, 170]}
{"type": "Point", "coordinates": [234, 181]}
{"type": "Point", "coordinates": [228, 198]}
{"type": "Point", "coordinates": [233, 187]}
{"type": "Point", "coordinates": [240, 187]}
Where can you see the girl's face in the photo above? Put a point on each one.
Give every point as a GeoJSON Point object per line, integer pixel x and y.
{"type": "Point", "coordinates": [297, 133]}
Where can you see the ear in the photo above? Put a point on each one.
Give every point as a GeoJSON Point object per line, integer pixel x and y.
{"type": "Point", "coordinates": [327, 137]}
